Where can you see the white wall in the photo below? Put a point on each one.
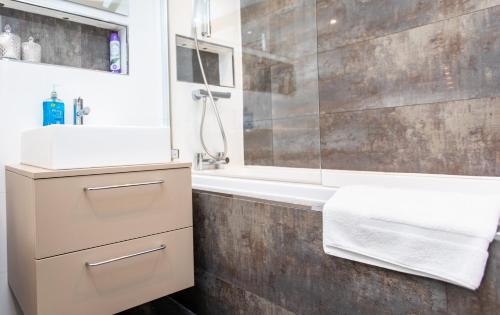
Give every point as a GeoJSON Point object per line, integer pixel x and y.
{"type": "Point", "coordinates": [136, 99]}
{"type": "Point", "coordinates": [186, 113]}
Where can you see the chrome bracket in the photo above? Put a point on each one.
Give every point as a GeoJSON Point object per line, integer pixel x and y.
{"type": "Point", "coordinates": [175, 154]}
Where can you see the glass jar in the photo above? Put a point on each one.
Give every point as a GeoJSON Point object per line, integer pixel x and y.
{"type": "Point", "coordinates": [32, 51]}
{"type": "Point", "coordinates": [11, 44]}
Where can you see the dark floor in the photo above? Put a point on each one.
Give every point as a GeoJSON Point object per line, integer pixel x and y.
{"type": "Point", "coordinates": [163, 306]}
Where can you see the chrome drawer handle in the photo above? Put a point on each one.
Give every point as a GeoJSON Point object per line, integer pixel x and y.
{"type": "Point", "coordinates": [156, 182]}
{"type": "Point", "coordinates": [162, 247]}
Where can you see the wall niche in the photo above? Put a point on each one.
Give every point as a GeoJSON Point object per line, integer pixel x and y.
{"type": "Point", "coordinates": [65, 39]}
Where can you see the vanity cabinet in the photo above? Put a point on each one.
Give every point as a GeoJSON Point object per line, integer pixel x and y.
{"type": "Point", "coordinates": [99, 240]}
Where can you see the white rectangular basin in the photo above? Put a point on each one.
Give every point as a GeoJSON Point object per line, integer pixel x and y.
{"type": "Point", "coordinates": [67, 146]}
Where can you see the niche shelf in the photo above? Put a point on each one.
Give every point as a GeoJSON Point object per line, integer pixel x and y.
{"type": "Point", "coordinates": [218, 62]}
{"type": "Point", "coordinates": [67, 39]}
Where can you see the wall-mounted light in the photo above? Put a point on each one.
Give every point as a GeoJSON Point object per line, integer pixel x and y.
{"type": "Point", "coordinates": [333, 21]}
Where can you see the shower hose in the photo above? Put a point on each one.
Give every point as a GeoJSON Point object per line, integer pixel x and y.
{"type": "Point", "coordinates": [214, 107]}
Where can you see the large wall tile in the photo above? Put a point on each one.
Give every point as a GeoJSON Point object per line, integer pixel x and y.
{"type": "Point", "coordinates": [294, 88]}
{"type": "Point", "coordinates": [257, 102]}
{"type": "Point", "coordinates": [255, 8]}
{"type": "Point", "coordinates": [257, 73]}
{"type": "Point", "coordinates": [296, 142]}
{"type": "Point", "coordinates": [293, 30]}
{"type": "Point", "coordinates": [251, 9]}
{"type": "Point", "coordinates": [258, 140]}
{"type": "Point", "coordinates": [363, 20]}
{"type": "Point", "coordinates": [280, 80]}
{"type": "Point", "coordinates": [378, 55]}
{"type": "Point", "coordinates": [256, 106]}
{"type": "Point", "coordinates": [255, 32]}
{"type": "Point", "coordinates": [448, 60]}
{"type": "Point", "coordinates": [461, 137]}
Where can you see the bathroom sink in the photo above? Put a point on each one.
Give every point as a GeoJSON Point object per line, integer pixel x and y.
{"type": "Point", "coordinates": [67, 146]}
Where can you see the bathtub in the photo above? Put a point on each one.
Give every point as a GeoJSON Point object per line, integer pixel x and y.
{"type": "Point", "coordinates": [312, 188]}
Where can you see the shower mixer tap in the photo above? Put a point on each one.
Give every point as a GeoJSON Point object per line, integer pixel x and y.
{"type": "Point", "coordinates": [209, 160]}
{"type": "Point", "coordinates": [201, 162]}
{"type": "Point", "coordinates": [200, 93]}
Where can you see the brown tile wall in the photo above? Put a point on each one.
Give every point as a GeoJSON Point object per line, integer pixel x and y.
{"type": "Point", "coordinates": [255, 257]}
{"type": "Point", "coordinates": [403, 86]}
{"type": "Point", "coordinates": [280, 83]}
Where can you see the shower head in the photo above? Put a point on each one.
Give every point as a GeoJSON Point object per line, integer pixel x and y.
{"type": "Point", "coordinates": [202, 18]}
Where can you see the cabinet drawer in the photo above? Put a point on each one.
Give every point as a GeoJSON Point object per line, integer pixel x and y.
{"type": "Point", "coordinates": [66, 284]}
{"type": "Point", "coordinates": [75, 213]}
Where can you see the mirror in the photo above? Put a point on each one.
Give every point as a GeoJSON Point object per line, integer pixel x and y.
{"type": "Point", "coordinates": [115, 6]}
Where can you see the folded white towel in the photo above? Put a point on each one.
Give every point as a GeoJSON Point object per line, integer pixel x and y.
{"type": "Point", "coordinates": [439, 235]}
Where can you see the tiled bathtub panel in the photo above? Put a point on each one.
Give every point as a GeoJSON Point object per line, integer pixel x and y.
{"type": "Point", "coordinates": [486, 300]}
{"type": "Point", "coordinates": [296, 142]}
{"type": "Point", "coordinates": [459, 138]}
{"type": "Point", "coordinates": [363, 20]}
{"type": "Point", "coordinates": [215, 296]}
{"type": "Point", "coordinates": [275, 253]}
{"type": "Point", "coordinates": [258, 140]}
{"type": "Point", "coordinates": [449, 60]}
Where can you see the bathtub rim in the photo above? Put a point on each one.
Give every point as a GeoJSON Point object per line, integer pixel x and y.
{"type": "Point", "coordinates": [308, 191]}
{"type": "Point", "coordinates": [309, 195]}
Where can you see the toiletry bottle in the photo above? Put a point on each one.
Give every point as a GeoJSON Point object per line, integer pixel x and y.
{"type": "Point", "coordinates": [114, 53]}
{"type": "Point", "coordinates": [53, 110]}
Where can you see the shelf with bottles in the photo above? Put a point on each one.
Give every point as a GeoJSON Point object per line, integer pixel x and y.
{"type": "Point", "coordinates": [36, 34]}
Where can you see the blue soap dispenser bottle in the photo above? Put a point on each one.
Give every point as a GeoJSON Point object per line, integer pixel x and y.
{"type": "Point", "coordinates": [53, 110]}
